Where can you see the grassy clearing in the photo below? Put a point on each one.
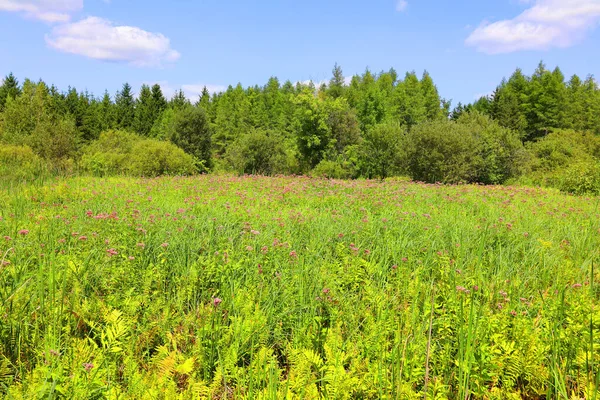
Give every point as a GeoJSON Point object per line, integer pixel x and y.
{"type": "Point", "coordinates": [271, 288]}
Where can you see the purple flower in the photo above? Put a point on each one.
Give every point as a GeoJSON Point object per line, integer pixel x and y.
{"type": "Point", "coordinates": [217, 301]}
{"type": "Point", "coordinates": [88, 367]}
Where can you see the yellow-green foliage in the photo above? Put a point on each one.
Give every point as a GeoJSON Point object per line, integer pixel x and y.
{"type": "Point", "coordinates": [121, 152]}
{"type": "Point", "coordinates": [220, 287]}
{"type": "Point", "coordinates": [19, 162]}
{"type": "Point", "coordinates": [567, 160]}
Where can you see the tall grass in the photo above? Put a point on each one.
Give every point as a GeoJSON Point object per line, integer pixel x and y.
{"type": "Point", "coordinates": [267, 288]}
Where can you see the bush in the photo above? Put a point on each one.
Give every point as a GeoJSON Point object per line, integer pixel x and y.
{"type": "Point", "coordinates": [556, 159]}
{"type": "Point", "coordinates": [109, 154]}
{"type": "Point", "coordinates": [472, 149]}
{"type": "Point", "coordinates": [581, 178]}
{"type": "Point", "coordinates": [259, 153]}
{"type": "Point", "coordinates": [442, 151]}
{"type": "Point", "coordinates": [332, 170]}
{"type": "Point", "coordinates": [189, 129]}
{"type": "Point", "coordinates": [562, 148]}
{"type": "Point", "coordinates": [19, 162]}
{"type": "Point", "coordinates": [118, 152]}
{"type": "Point", "coordinates": [381, 151]}
{"type": "Point", "coordinates": [153, 158]}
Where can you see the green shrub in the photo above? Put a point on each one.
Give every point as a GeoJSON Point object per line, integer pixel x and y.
{"type": "Point", "coordinates": [442, 151]}
{"type": "Point", "coordinates": [381, 151]}
{"type": "Point", "coordinates": [472, 149]}
{"type": "Point", "coordinates": [332, 170]}
{"type": "Point", "coordinates": [109, 154]}
{"type": "Point", "coordinates": [19, 162]}
{"type": "Point", "coordinates": [123, 152]}
{"type": "Point", "coordinates": [562, 148]}
{"type": "Point", "coordinates": [581, 178]}
{"type": "Point", "coordinates": [258, 152]}
{"type": "Point", "coordinates": [153, 158]}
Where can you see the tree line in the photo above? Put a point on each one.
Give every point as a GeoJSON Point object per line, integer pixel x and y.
{"type": "Point", "coordinates": [376, 125]}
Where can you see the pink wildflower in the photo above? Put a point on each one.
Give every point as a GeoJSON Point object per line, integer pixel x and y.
{"type": "Point", "coordinates": [24, 232]}
{"type": "Point", "coordinates": [111, 252]}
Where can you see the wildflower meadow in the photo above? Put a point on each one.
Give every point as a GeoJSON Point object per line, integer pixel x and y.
{"type": "Point", "coordinates": [222, 287]}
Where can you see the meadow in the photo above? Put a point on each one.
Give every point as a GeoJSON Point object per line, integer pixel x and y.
{"type": "Point", "coordinates": [221, 287]}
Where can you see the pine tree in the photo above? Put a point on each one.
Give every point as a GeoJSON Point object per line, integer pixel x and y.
{"type": "Point", "coordinates": [408, 102]}
{"type": "Point", "coordinates": [144, 113]}
{"type": "Point", "coordinates": [10, 88]}
{"type": "Point", "coordinates": [431, 98]}
{"type": "Point", "coordinates": [337, 84]}
{"type": "Point", "coordinates": [106, 113]}
{"type": "Point", "coordinates": [159, 103]}
{"type": "Point", "coordinates": [179, 101]}
{"type": "Point", "coordinates": [125, 108]}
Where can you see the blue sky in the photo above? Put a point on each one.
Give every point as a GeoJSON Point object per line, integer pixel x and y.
{"type": "Point", "coordinates": [467, 46]}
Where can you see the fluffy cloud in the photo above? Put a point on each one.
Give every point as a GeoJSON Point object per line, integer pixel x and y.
{"type": "Point", "coordinates": [401, 5]}
{"type": "Point", "coordinates": [98, 38]}
{"type": "Point", "coordinates": [545, 24]}
{"type": "Point", "coordinates": [45, 10]}
{"type": "Point", "coordinates": [194, 90]}
{"type": "Point", "coordinates": [191, 91]}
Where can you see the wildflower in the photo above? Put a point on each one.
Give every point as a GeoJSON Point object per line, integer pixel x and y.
{"type": "Point", "coordinates": [367, 252]}
{"type": "Point", "coordinates": [264, 249]}
{"type": "Point", "coordinates": [141, 245]}
{"type": "Point", "coordinates": [404, 259]}
{"type": "Point", "coordinates": [513, 313]}
{"type": "Point", "coordinates": [326, 290]}
{"type": "Point", "coordinates": [293, 254]}
{"type": "Point", "coordinates": [526, 234]}
{"type": "Point", "coordinates": [83, 238]}
{"type": "Point", "coordinates": [62, 240]}
{"type": "Point", "coordinates": [254, 232]}
{"type": "Point", "coordinates": [54, 353]}
{"type": "Point", "coordinates": [475, 288]}
{"type": "Point", "coordinates": [24, 232]}
{"type": "Point", "coordinates": [217, 301]}
{"type": "Point", "coordinates": [131, 258]}
{"type": "Point", "coordinates": [7, 238]}
{"type": "Point", "coordinates": [462, 289]}
{"type": "Point", "coordinates": [249, 248]}
{"type": "Point", "coordinates": [340, 235]}
{"type": "Point", "coordinates": [111, 252]}
{"type": "Point", "coordinates": [394, 267]}
{"type": "Point", "coordinates": [88, 367]}
{"type": "Point", "coordinates": [164, 245]}
{"type": "Point", "coordinates": [577, 286]}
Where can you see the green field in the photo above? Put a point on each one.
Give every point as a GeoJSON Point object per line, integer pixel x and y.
{"type": "Point", "coordinates": [293, 288]}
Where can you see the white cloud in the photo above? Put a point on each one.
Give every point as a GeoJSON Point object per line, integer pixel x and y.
{"type": "Point", "coordinates": [45, 10]}
{"type": "Point", "coordinates": [545, 24]}
{"type": "Point", "coordinates": [402, 5]}
{"type": "Point", "coordinates": [192, 91]}
{"type": "Point", "coordinates": [98, 38]}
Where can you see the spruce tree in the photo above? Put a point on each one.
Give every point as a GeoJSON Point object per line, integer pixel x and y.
{"type": "Point", "coordinates": [144, 115]}
{"type": "Point", "coordinates": [337, 84]}
{"type": "Point", "coordinates": [10, 88]}
{"type": "Point", "coordinates": [125, 108]}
